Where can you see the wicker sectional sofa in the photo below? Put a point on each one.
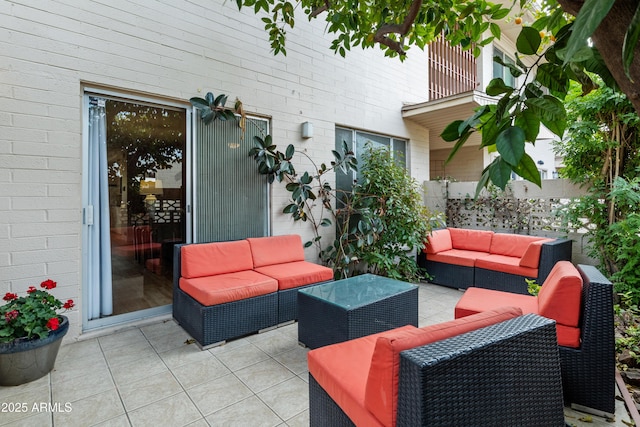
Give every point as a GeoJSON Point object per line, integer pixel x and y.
{"type": "Point", "coordinates": [492, 368]}
{"type": "Point", "coordinates": [459, 258]}
{"type": "Point", "coordinates": [225, 290]}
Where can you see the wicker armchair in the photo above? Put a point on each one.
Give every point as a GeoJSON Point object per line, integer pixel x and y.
{"type": "Point", "coordinates": [504, 374]}
{"type": "Point", "coordinates": [588, 372]}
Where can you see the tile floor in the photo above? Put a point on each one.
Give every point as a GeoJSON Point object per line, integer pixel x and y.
{"type": "Point", "coordinates": [148, 376]}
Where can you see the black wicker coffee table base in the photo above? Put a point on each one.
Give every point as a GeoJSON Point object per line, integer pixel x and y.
{"type": "Point", "coordinates": [354, 307]}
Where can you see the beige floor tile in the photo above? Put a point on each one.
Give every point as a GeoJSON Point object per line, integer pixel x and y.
{"type": "Point", "coordinates": [160, 328]}
{"type": "Point", "coordinates": [173, 411]}
{"type": "Point", "coordinates": [148, 390]}
{"type": "Point", "coordinates": [121, 339]}
{"type": "Point", "coordinates": [24, 397]}
{"type": "Point", "coordinates": [248, 412]}
{"type": "Point", "coordinates": [35, 419]}
{"type": "Point", "coordinates": [242, 357]}
{"type": "Point", "coordinates": [138, 369]}
{"type": "Point", "coordinates": [119, 421]}
{"type": "Point", "coordinates": [263, 375]}
{"type": "Point", "coordinates": [295, 360]}
{"type": "Point", "coordinates": [66, 370]}
{"type": "Point", "coordinates": [215, 395]}
{"type": "Point", "coordinates": [229, 346]}
{"type": "Point", "coordinates": [193, 374]}
{"type": "Point", "coordinates": [300, 420]}
{"type": "Point", "coordinates": [80, 349]}
{"type": "Point", "coordinates": [81, 387]}
{"type": "Point", "coordinates": [173, 339]}
{"type": "Point", "coordinates": [91, 410]}
{"type": "Point", "coordinates": [287, 399]}
{"type": "Point", "coordinates": [134, 351]}
{"type": "Point", "coordinates": [185, 354]}
{"type": "Point", "coordinates": [274, 343]}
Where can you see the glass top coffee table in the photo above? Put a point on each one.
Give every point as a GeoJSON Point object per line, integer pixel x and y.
{"type": "Point", "coordinates": [351, 308]}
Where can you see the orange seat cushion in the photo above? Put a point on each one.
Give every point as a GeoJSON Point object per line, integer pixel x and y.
{"type": "Point", "coordinates": [223, 288]}
{"type": "Point", "coordinates": [514, 245]}
{"type": "Point", "coordinates": [506, 264]}
{"type": "Point", "coordinates": [209, 259]}
{"type": "Point", "coordinates": [560, 297]}
{"type": "Point", "coordinates": [381, 393]}
{"type": "Point", "coordinates": [457, 257]}
{"type": "Point", "coordinates": [477, 300]}
{"type": "Point", "coordinates": [295, 274]}
{"type": "Point", "coordinates": [438, 241]}
{"type": "Point", "coordinates": [471, 240]}
{"type": "Point", "coordinates": [531, 257]}
{"type": "Point", "coordinates": [342, 370]}
{"type": "Point", "coordinates": [276, 249]}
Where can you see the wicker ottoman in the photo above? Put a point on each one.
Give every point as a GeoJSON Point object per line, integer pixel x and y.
{"type": "Point", "coordinates": [351, 308]}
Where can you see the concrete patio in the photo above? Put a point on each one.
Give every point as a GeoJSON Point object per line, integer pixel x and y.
{"type": "Point", "coordinates": [151, 376]}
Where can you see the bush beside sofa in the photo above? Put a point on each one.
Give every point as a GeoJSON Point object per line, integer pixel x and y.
{"type": "Point", "coordinates": [460, 258]}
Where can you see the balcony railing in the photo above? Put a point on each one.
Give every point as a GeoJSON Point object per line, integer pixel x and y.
{"type": "Point", "coordinates": [451, 70]}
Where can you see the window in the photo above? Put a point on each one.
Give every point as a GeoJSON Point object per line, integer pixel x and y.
{"type": "Point", "coordinates": [500, 71]}
{"type": "Point", "coordinates": [357, 141]}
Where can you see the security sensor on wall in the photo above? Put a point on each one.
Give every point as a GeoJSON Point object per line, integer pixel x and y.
{"type": "Point", "coordinates": [307, 130]}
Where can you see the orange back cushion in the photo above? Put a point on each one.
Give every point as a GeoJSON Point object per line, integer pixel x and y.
{"type": "Point", "coordinates": [276, 249]}
{"type": "Point", "coordinates": [209, 259]}
{"type": "Point", "coordinates": [514, 245]}
{"type": "Point", "coordinates": [438, 241]}
{"type": "Point", "coordinates": [560, 296]}
{"type": "Point", "coordinates": [471, 240]}
{"type": "Point", "coordinates": [381, 393]}
{"type": "Point", "coordinates": [531, 257]}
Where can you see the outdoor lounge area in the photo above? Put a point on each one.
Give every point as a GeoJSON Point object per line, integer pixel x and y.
{"type": "Point", "coordinates": [155, 375]}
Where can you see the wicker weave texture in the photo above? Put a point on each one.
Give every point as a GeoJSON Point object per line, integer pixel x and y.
{"type": "Point", "coordinates": [288, 303]}
{"type": "Point", "coordinates": [321, 323]}
{"type": "Point", "coordinates": [450, 275]}
{"type": "Point", "coordinates": [323, 411]}
{"type": "Point", "coordinates": [588, 373]}
{"type": "Point", "coordinates": [503, 375]}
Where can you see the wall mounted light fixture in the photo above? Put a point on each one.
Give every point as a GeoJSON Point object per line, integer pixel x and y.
{"type": "Point", "coordinates": [307, 130]}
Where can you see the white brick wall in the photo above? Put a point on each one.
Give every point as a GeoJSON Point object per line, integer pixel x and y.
{"type": "Point", "coordinates": [172, 50]}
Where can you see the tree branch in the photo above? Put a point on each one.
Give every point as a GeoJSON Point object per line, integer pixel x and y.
{"type": "Point", "coordinates": [401, 29]}
{"type": "Point", "coordinates": [319, 10]}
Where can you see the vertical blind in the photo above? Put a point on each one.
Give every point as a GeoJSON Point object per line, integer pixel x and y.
{"type": "Point", "coordinates": [230, 196]}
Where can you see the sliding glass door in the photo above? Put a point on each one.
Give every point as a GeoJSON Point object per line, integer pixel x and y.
{"type": "Point", "coordinates": [135, 203]}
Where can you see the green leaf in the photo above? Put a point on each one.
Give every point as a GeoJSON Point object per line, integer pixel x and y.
{"type": "Point", "coordinates": [630, 41]}
{"type": "Point", "coordinates": [551, 112]}
{"type": "Point", "coordinates": [209, 97]}
{"type": "Point", "coordinates": [528, 170]}
{"type": "Point", "coordinates": [528, 41]}
{"type": "Point", "coordinates": [451, 133]}
{"type": "Point", "coordinates": [491, 130]}
{"type": "Point", "coordinates": [589, 17]}
{"type": "Point", "coordinates": [458, 145]}
{"type": "Point", "coordinates": [497, 87]}
{"type": "Point", "coordinates": [500, 172]}
{"type": "Point", "coordinates": [291, 208]}
{"type": "Point", "coordinates": [553, 77]}
{"type": "Point", "coordinates": [500, 14]}
{"type": "Point", "coordinates": [199, 102]}
{"type": "Point", "coordinates": [510, 144]}
{"type": "Point", "coordinates": [289, 152]}
{"type": "Point", "coordinates": [495, 30]}
{"type": "Point", "coordinates": [529, 123]}
{"type": "Point", "coordinates": [326, 222]}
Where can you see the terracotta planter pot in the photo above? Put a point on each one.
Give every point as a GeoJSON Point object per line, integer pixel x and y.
{"type": "Point", "coordinates": [25, 361]}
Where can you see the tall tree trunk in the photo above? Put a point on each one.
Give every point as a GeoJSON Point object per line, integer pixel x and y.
{"type": "Point", "coordinates": [608, 38]}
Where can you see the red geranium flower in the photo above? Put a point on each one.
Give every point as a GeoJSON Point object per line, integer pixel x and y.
{"type": "Point", "coordinates": [67, 305]}
{"type": "Point", "coordinates": [48, 284]}
{"type": "Point", "coordinates": [10, 315]}
{"type": "Point", "coordinates": [10, 297]}
{"type": "Point", "coordinates": [31, 289]}
{"type": "Point", "coordinates": [53, 323]}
